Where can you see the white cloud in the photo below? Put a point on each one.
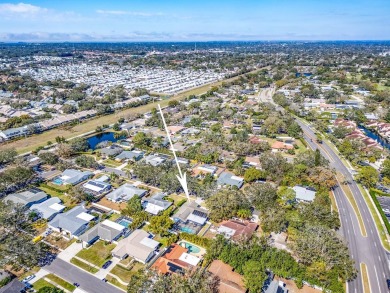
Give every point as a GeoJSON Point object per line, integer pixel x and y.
{"type": "Point", "coordinates": [21, 8]}
{"type": "Point", "coordinates": [132, 13]}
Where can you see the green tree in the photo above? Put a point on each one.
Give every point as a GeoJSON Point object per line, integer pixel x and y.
{"type": "Point", "coordinates": [294, 130]}
{"type": "Point", "coordinates": [225, 204]}
{"type": "Point", "coordinates": [368, 176]}
{"type": "Point", "coordinates": [161, 224]}
{"type": "Point", "coordinates": [133, 206]}
{"type": "Point", "coordinates": [253, 174]}
{"type": "Point", "coordinates": [254, 275]}
{"type": "Point", "coordinates": [49, 158]}
{"type": "Point", "coordinates": [116, 127]}
{"type": "Point", "coordinates": [141, 140]}
{"type": "Point", "coordinates": [261, 195]}
{"type": "Point", "coordinates": [7, 155]}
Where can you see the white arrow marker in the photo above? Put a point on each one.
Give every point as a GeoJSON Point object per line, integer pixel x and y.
{"type": "Point", "coordinates": [182, 177]}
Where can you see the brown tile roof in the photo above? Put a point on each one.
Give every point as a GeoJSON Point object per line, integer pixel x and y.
{"type": "Point", "coordinates": [230, 282]}
{"type": "Point", "coordinates": [171, 256]}
{"type": "Point", "coordinates": [242, 229]}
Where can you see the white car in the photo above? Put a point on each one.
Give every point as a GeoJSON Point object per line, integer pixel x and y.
{"type": "Point", "coordinates": [28, 278]}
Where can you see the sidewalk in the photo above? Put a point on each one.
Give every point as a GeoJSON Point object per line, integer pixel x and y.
{"type": "Point", "coordinates": [39, 275]}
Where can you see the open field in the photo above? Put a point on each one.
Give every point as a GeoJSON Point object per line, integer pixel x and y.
{"type": "Point", "coordinates": [31, 143]}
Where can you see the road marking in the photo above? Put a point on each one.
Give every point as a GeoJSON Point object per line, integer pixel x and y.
{"type": "Point", "coordinates": [377, 279]}
{"type": "Point", "coordinates": [380, 258]}
{"type": "Point", "coordinates": [375, 244]}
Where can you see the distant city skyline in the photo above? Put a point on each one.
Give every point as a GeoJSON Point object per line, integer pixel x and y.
{"type": "Point", "coordinates": [228, 20]}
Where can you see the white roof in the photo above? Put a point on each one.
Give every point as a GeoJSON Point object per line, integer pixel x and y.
{"type": "Point", "coordinates": [85, 216]}
{"type": "Point", "coordinates": [188, 258]}
{"type": "Point", "coordinates": [113, 225]}
{"type": "Point", "coordinates": [237, 178]}
{"type": "Point", "coordinates": [93, 187]}
{"type": "Point", "coordinates": [57, 207]}
{"type": "Point", "coordinates": [149, 242]}
{"type": "Point", "coordinates": [226, 230]}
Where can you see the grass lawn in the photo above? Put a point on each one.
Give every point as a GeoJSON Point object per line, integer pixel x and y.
{"type": "Point", "coordinates": [176, 198]}
{"type": "Point", "coordinates": [97, 254]}
{"type": "Point", "coordinates": [88, 127]}
{"type": "Point", "coordinates": [122, 273]}
{"type": "Point", "coordinates": [114, 217]}
{"type": "Point", "coordinates": [83, 266]}
{"type": "Point", "coordinates": [115, 282]}
{"type": "Point", "coordinates": [67, 200]}
{"type": "Point", "coordinates": [61, 282]}
{"type": "Point", "coordinates": [42, 283]}
{"type": "Point", "coordinates": [111, 163]}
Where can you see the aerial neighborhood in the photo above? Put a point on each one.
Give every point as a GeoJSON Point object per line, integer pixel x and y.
{"type": "Point", "coordinates": [89, 173]}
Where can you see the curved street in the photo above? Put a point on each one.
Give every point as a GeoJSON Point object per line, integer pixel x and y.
{"type": "Point", "coordinates": [368, 250]}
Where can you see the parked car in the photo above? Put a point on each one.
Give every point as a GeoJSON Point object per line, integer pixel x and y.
{"type": "Point", "coordinates": [388, 283]}
{"type": "Point", "coordinates": [107, 264]}
{"type": "Point", "coordinates": [28, 278]}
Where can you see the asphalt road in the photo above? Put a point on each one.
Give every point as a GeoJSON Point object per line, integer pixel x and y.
{"type": "Point", "coordinates": [87, 282]}
{"type": "Point", "coordinates": [368, 250]}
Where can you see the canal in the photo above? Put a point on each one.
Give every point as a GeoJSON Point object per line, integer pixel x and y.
{"type": "Point", "coordinates": [375, 137]}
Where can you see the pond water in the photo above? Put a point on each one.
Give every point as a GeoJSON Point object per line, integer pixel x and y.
{"type": "Point", "coordinates": [375, 137]}
{"type": "Point", "coordinates": [93, 141]}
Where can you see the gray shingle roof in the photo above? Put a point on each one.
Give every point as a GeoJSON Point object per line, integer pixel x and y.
{"type": "Point", "coordinates": [125, 192]}
{"type": "Point", "coordinates": [69, 221]}
{"type": "Point", "coordinates": [230, 179]}
{"type": "Point", "coordinates": [27, 197]}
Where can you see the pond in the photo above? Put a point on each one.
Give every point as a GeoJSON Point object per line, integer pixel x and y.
{"type": "Point", "coordinates": [93, 141]}
{"type": "Point", "coordinates": [375, 137]}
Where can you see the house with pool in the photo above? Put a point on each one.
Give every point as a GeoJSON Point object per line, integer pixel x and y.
{"type": "Point", "coordinates": [175, 260]}
{"type": "Point", "coordinates": [72, 177]}
{"type": "Point", "coordinates": [190, 218]}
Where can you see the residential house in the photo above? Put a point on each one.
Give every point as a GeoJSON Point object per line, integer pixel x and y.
{"type": "Point", "coordinates": [125, 193]}
{"type": "Point", "coordinates": [49, 208]}
{"type": "Point", "coordinates": [252, 162]}
{"type": "Point", "coordinates": [96, 187]}
{"type": "Point", "coordinates": [176, 260]}
{"type": "Point", "coordinates": [15, 286]}
{"type": "Point", "coordinates": [205, 169]}
{"type": "Point", "coordinates": [133, 156]}
{"type": "Point", "coordinates": [72, 177]}
{"type": "Point", "coordinates": [190, 217]}
{"type": "Point", "coordinates": [237, 230]}
{"type": "Point", "coordinates": [229, 281]}
{"type": "Point", "coordinates": [276, 287]}
{"type": "Point", "coordinates": [155, 160]}
{"type": "Point", "coordinates": [28, 197]}
{"type": "Point", "coordinates": [304, 194]}
{"type": "Point", "coordinates": [72, 223]}
{"type": "Point", "coordinates": [139, 245]}
{"type": "Point", "coordinates": [229, 179]}
{"type": "Point", "coordinates": [280, 146]}
{"type": "Point", "coordinates": [106, 231]}
{"type": "Point", "coordinates": [111, 151]}
{"type": "Point", "coordinates": [156, 203]}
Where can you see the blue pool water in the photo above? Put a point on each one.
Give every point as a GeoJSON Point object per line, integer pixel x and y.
{"type": "Point", "coordinates": [376, 137]}
{"type": "Point", "coordinates": [190, 247]}
{"type": "Point", "coordinates": [98, 138]}
{"type": "Point", "coordinates": [124, 223]}
{"type": "Point", "coordinates": [187, 230]}
{"type": "Point", "coordinates": [58, 181]}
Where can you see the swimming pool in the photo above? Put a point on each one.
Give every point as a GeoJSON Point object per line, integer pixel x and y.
{"type": "Point", "coordinates": [188, 230]}
{"type": "Point", "coordinates": [191, 248]}
{"type": "Point", "coordinates": [58, 181]}
{"type": "Point", "coordinates": [124, 223]}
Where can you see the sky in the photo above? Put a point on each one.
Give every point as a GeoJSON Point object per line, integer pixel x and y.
{"type": "Point", "coordinates": [195, 20]}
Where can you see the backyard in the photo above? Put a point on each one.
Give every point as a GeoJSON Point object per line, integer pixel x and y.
{"type": "Point", "coordinates": [125, 274]}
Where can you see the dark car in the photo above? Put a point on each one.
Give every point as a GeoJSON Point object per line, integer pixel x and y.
{"type": "Point", "coordinates": [388, 283]}
{"type": "Point", "coordinates": [107, 264]}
